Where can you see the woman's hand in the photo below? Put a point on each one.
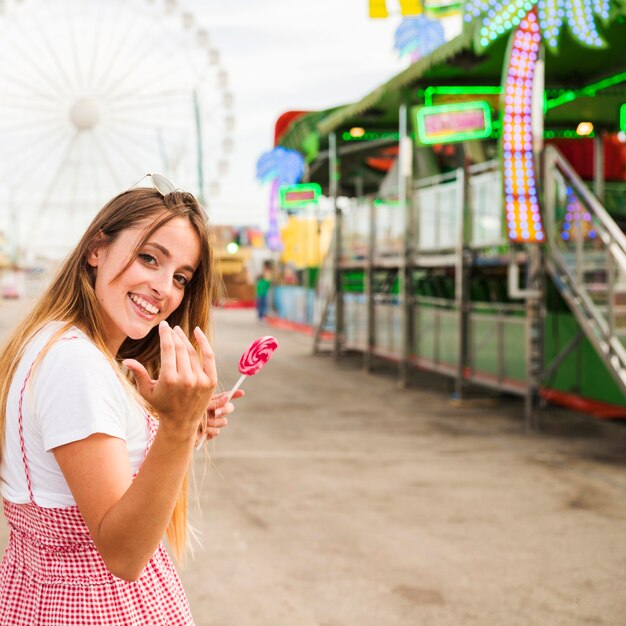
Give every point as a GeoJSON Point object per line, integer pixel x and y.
{"type": "Point", "coordinates": [182, 393]}
{"type": "Point", "coordinates": [215, 417]}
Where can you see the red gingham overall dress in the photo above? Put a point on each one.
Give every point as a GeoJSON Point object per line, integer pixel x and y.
{"type": "Point", "coordinates": [52, 573]}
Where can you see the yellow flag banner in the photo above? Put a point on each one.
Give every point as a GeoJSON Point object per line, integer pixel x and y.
{"type": "Point", "coordinates": [378, 8]}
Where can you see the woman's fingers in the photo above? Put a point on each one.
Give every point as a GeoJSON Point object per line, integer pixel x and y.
{"type": "Point", "coordinates": [183, 391]}
{"type": "Point", "coordinates": [210, 433]}
{"type": "Point", "coordinates": [211, 429]}
{"type": "Point", "coordinates": [194, 359]}
{"type": "Point", "coordinates": [208, 358]}
{"type": "Point", "coordinates": [220, 399]}
{"type": "Point", "coordinates": [168, 350]}
{"type": "Point", "coordinates": [216, 422]}
{"type": "Point", "coordinates": [144, 382]}
{"type": "Point", "coordinates": [225, 409]}
{"type": "Point", "coordinates": [183, 364]}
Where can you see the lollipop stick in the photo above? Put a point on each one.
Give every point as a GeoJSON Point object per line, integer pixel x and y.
{"type": "Point", "coordinates": [237, 385]}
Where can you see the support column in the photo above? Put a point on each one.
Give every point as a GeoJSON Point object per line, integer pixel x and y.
{"type": "Point", "coordinates": [535, 316]}
{"type": "Point", "coordinates": [598, 166]}
{"type": "Point", "coordinates": [461, 272]}
{"type": "Point", "coordinates": [405, 176]}
{"type": "Point", "coordinates": [370, 291]}
{"type": "Point", "coordinates": [333, 164]}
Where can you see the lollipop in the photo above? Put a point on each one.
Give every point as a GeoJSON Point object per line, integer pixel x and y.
{"type": "Point", "coordinates": [251, 361]}
{"type": "Point", "coordinates": [254, 358]}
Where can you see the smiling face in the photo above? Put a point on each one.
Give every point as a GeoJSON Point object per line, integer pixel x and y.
{"type": "Point", "coordinates": [134, 300]}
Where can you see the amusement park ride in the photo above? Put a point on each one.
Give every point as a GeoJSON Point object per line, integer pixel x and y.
{"type": "Point", "coordinates": [92, 96]}
{"type": "Point", "coordinates": [480, 199]}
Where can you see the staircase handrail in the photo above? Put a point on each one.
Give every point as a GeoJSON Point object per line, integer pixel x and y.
{"type": "Point", "coordinates": [554, 156]}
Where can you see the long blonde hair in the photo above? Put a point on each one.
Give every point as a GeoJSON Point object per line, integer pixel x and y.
{"type": "Point", "coordinates": [71, 298]}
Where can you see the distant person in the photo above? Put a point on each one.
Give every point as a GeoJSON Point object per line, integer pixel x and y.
{"type": "Point", "coordinates": [91, 479]}
{"type": "Point", "coordinates": [263, 284]}
{"type": "Point", "coordinates": [289, 275]}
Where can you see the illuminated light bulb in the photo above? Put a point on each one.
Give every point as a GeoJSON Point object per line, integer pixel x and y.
{"type": "Point", "coordinates": [584, 128]}
{"type": "Point", "coordinates": [357, 131]}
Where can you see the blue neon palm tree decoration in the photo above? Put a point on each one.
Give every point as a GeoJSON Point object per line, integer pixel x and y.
{"type": "Point", "coordinates": [279, 166]}
{"type": "Point", "coordinates": [499, 17]}
{"type": "Point", "coordinates": [418, 36]}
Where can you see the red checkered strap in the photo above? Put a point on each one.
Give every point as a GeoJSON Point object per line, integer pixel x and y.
{"type": "Point", "coordinates": [20, 426]}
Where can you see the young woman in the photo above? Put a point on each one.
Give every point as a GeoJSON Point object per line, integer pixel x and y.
{"type": "Point", "coordinates": [105, 387]}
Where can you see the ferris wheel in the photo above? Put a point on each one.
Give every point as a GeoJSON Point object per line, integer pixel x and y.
{"type": "Point", "coordinates": [94, 94]}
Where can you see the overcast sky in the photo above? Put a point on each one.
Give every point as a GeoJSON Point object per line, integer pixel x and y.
{"type": "Point", "coordinates": [283, 55]}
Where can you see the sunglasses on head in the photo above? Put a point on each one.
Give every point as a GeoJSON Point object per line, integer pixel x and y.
{"type": "Point", "coordinates": [160, 183]}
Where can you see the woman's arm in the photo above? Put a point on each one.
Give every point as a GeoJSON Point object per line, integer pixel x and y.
{"type": "Point", "coordinates": [127, 519]}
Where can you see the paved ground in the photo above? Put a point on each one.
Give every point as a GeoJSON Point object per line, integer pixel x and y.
{"type": "Point", "coordinates": [336, 499]}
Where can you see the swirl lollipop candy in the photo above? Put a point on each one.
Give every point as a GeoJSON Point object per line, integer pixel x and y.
{"type": "Point", "coordinates": [254, 358]}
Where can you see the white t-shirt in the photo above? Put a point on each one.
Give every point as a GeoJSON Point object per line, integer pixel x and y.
{"type": "Point", "coordinates": [73, 393]}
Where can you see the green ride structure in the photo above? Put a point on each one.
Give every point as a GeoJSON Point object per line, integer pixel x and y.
{"type": "Point", "coordinates": [480, 206]}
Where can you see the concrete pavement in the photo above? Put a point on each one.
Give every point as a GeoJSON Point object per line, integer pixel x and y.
{"type": "Point", "coordinates": [337, 499]}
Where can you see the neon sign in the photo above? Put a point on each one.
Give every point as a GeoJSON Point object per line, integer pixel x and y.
{"type": "Point", "coordinates": [299, 196]}
{"type": "Point", "coordinates": [520, 190]}
{"type": "Point", "coordinates": [450, 123]}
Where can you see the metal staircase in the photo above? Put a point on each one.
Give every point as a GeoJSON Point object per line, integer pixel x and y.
{"type": "Point", "coordinates": [586, 258]}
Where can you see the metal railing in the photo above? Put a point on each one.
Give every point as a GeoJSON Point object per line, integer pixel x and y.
{"type": "Point", "coordinates": [496, 341]}
{"type": "Point", "coordinates": [437, 205]}
{"type": "Point", "coordinates": [355, 312]}
{"type": "Point", "coordinates": [486, 205]}
{"type": "Point", "coordinates": [497, 350]}
{"type": "Point", "coordinates": [438, 208]}
{"type": "Point", "coordinates": [355, 230]}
